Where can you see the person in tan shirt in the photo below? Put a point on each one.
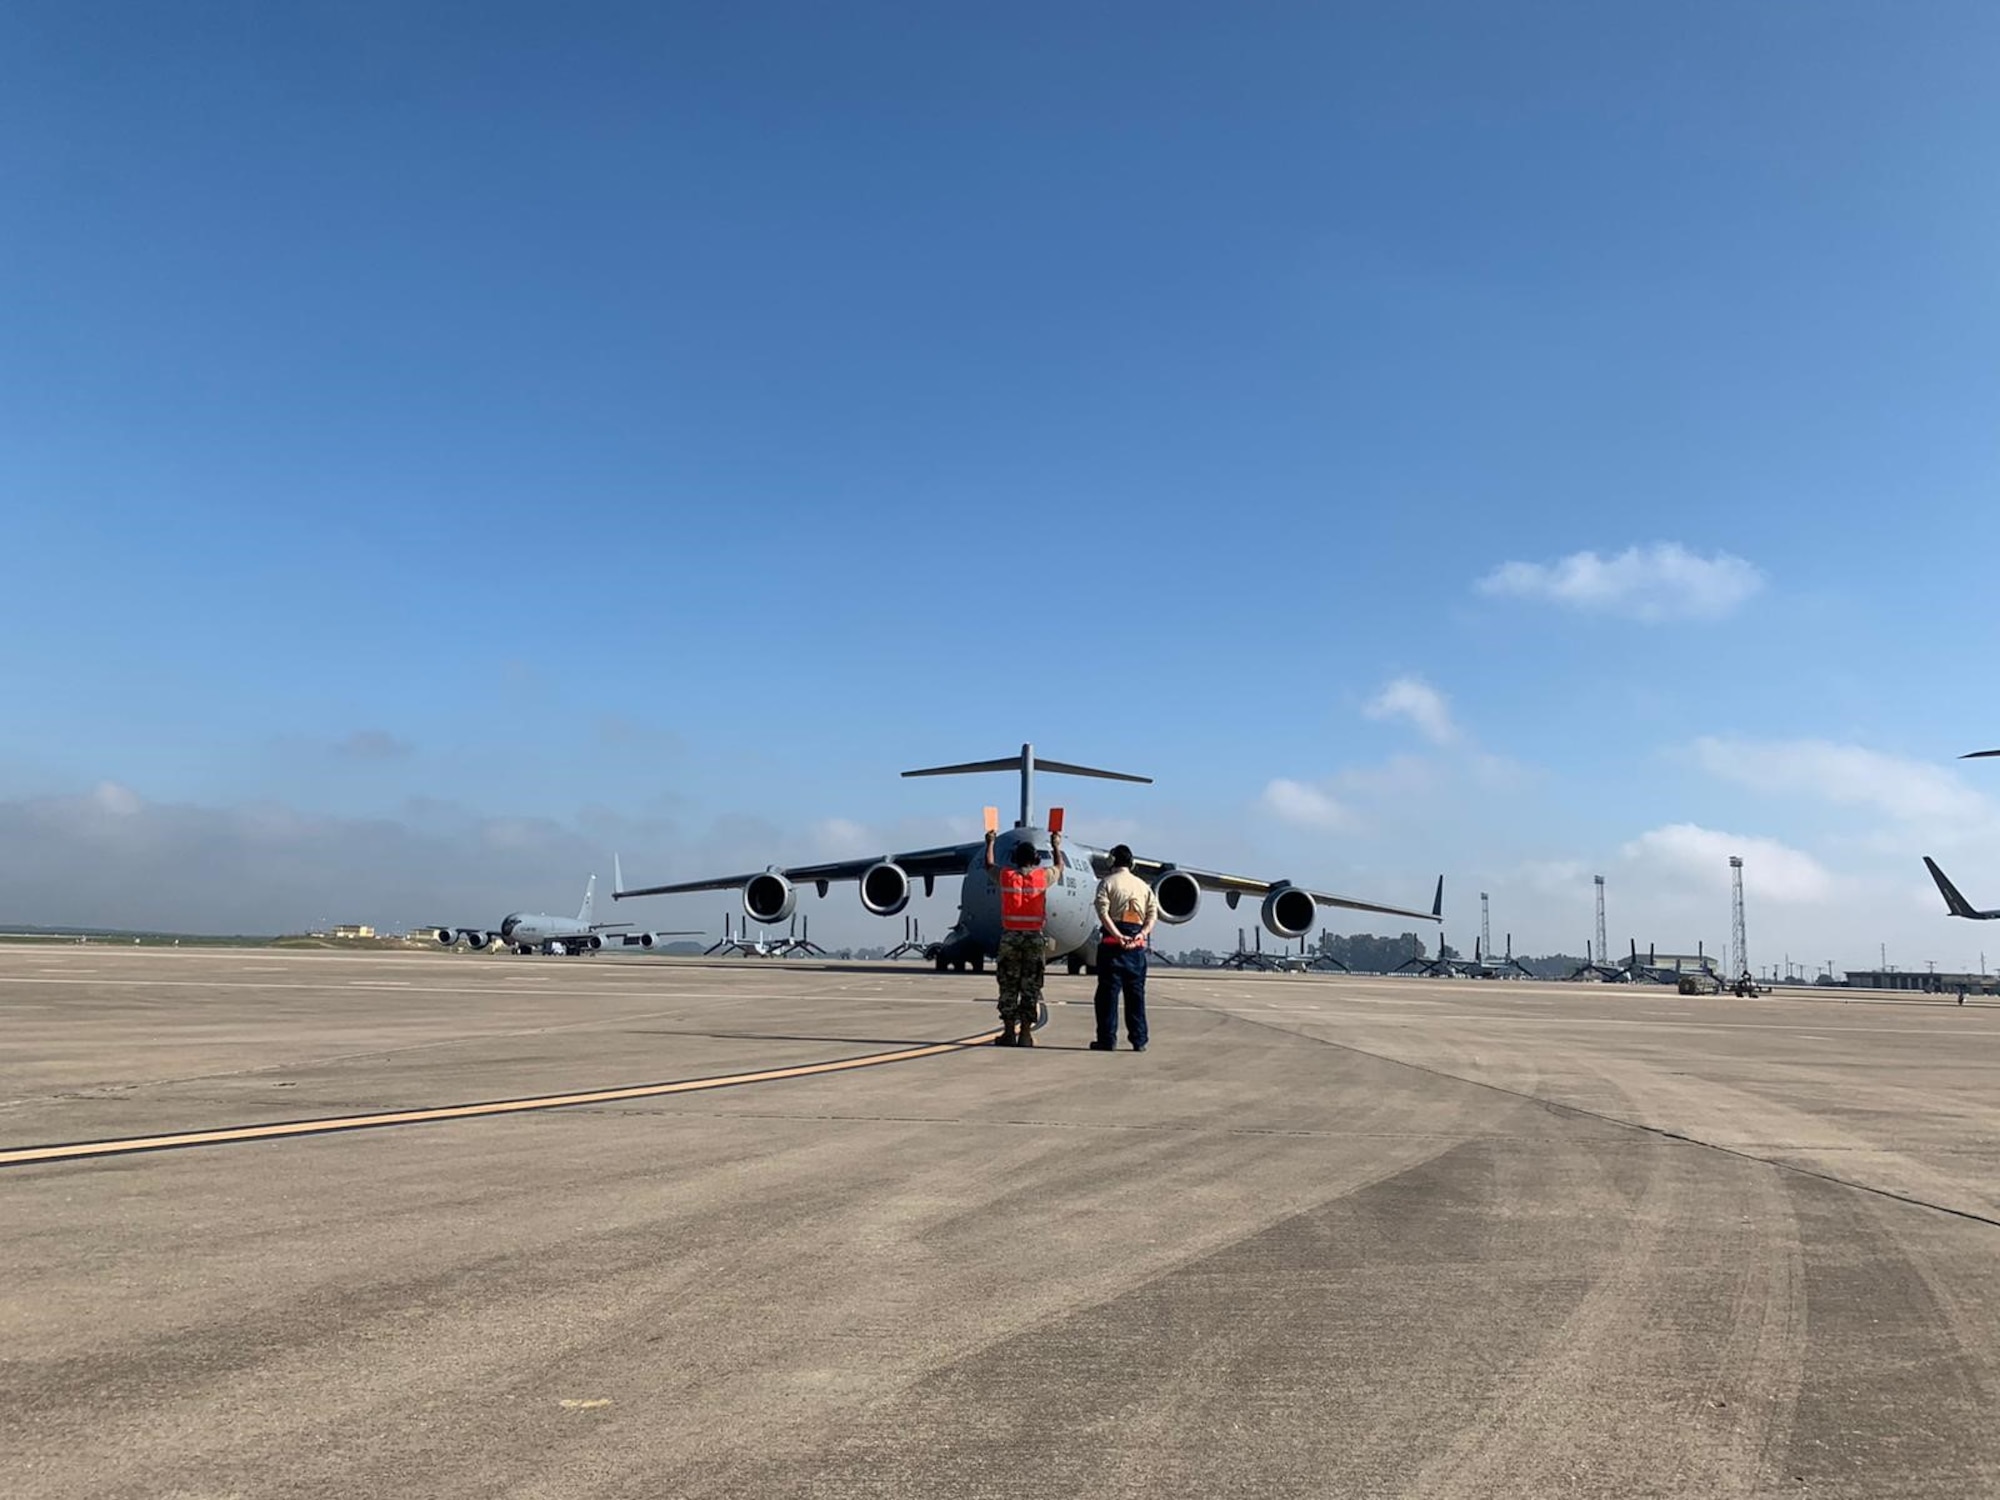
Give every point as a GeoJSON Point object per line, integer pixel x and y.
{"type": "Point", "coordinates": [1126, 912]}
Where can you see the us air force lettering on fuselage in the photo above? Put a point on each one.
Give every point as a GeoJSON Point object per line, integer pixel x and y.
{"type": "Point", "coordinates": [886, 884]}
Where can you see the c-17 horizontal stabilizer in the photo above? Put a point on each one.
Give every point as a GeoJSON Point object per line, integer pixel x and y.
{"type": "Point", "coordinates": [1956, 904]}
{"type": "Point", "coordinates": [1013, 763]}
{"type": "Point", "coordinates": [1027, 763]}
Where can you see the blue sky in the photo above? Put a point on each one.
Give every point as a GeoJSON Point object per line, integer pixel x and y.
{"type": "Point", "coordinates": [428, 431]}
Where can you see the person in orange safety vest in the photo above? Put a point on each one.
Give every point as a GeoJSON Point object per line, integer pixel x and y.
{"type": "Point", "coordinates": [1024, 893]}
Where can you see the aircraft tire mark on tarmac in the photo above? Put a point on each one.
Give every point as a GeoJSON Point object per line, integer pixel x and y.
{"type": "Point", "coordinates": [27, 1156]}
{"type": "Point", "coordinates": [1580, 1111]}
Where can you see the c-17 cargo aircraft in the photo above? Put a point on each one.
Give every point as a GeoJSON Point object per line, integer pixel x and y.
{"type": "Point", "coordinates": [770, 895]}
{"type": "Point", "coordinates": [537, 932]}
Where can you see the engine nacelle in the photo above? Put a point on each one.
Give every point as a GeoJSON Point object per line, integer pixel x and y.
{"type": "Point", "coordinates": [1289, 912]}
{"type": "Point", "coordinates": [587, 944]}
{"type": "Point", "coordinates": [446, 936]}
{"type": "Point", "coordinates": [1179, 895]}
{"type": "Point", "coordinates": [770, 898]}
{"type": "Point", "coordinates": [885, 889]}
{"type": "Point", "coordinates": [478, 940]}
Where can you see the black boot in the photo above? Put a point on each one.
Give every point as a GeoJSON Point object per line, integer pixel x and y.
{"type": "Point", "coordinates": [1006, 1037]}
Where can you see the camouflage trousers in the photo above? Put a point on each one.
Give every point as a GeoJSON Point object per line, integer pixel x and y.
{"type": "Point", "coordinates": [1020, 967]}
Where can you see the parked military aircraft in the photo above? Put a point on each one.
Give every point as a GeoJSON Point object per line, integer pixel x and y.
{"type": "Point", "coordinates": [1484, 965]}
{"type": "Point", "coordinates": [770, 895]}
{"type": "Point", "coordinates": [537, 932]}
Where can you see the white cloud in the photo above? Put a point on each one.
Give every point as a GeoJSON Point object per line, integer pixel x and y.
{"type": "Point", "coordinates": [1916, 794]}
{"type": "Point", "coordinates": [1307, 806]}
{"type": "Point", "coordinates": [116, 800]}
{"type": "Point", "coordinates": [1687, 854]}
{"type": "Point", "coordinates": [1398, 777]}
{"type": "Point", "coordinates": [1414, 699]}
{"type": "Point", "coordinates": [1553, 877]}
{"type": "Point", "coordinates": [108, 857]}
{"type": "Point", "coordinates": [1658, 583]}
{"type": "Point", "coordinates": [843, 838]}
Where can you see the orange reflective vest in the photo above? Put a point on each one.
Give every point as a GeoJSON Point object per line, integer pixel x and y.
{"type": "Point", "coordinates": [1024, 902]}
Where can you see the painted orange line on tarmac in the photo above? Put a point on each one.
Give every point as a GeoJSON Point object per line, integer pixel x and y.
{"type": "Point", "coordinates": [23, 1156]}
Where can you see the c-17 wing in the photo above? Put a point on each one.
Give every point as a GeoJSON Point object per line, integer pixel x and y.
{"type": "Point", "coordinates": [926, 864]}
{"type": "Point", "coordinates": [1243, 885]}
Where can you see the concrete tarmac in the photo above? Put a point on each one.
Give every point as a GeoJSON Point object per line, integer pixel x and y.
{"type": "Point", "coordinates": [1328, 1236]}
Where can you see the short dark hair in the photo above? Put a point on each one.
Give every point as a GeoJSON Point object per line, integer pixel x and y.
{"type": "Point", "coordinates": [1121, 856]}
{"type": "Point", "coordinates": [1026, 854]}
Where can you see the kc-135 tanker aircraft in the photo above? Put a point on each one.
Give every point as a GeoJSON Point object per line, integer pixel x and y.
{"type": "Point", "coordinates": [538, 932]}
{"type": "Point", "coordinates": [769, 896]}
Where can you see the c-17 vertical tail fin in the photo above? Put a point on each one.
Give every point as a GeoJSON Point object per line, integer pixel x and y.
{"type": "Point", "coordinates": [1954, 903]}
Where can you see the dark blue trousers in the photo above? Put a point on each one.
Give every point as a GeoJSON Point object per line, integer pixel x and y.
{"type": "Point", "coordinates": [1121, 969]}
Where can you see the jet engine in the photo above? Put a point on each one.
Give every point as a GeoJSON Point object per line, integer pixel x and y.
{"type": "Point", "coordinates": [769, 898]}
{"type": "Point", "coordinates": [1289, 912]}
{"type": "Point", "coordinates": [885, 889]}
{"type": "Point", "coordinates": [446, 936]}
{"type": "Point", "coordinates": [478, 940]}
{"type": "Point", "coordinates": [1179, 895]}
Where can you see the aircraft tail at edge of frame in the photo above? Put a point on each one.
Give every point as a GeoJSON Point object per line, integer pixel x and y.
{"type": "Point", "coordinates": [1954, 902]}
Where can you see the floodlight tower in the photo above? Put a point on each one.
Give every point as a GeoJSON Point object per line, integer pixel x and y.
{"type": "Point", "coordinates": [1739, 948]}
{"type": "Point", "coordinates": [1485, 928]}
{"type": "Point", "coordinates": [1601, 953]}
